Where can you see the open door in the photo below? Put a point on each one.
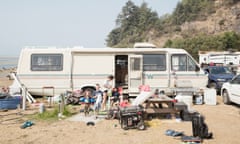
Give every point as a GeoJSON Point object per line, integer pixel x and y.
{"type": "Point", "coordinates": [135, 73]}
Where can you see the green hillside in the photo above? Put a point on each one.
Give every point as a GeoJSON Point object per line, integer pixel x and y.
{"type": "Point", "coordinates": [194, 25]}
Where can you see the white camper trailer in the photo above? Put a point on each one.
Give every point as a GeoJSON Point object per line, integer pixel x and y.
{"type": "Point", "coordinates": [219, 57]}
{"type": "Point", "coordinates": [73, 68]}
{"type": "Point", "coordinates": [226, 58]}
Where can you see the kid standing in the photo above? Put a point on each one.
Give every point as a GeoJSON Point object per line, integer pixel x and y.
{"type": "Point", "coordinates": [87, 103]}
{"type": "Point", "coordinates": [115, 96]}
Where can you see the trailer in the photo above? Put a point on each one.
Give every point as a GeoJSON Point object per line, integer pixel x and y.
{"type": "Point", "coordinates": [65, 69]}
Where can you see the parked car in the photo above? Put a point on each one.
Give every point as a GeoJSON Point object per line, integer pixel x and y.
{"type": "Point", "coordinates": [217, 75]}
{"type": "Point", "coordinates": [230, 91]}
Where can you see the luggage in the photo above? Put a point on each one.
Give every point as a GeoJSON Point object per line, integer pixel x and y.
{"type": "Point", "coordinates": [187, 115]}
{"type": "Point", "coordinates": [199, 127]}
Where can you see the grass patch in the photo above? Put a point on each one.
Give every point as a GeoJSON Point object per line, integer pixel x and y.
{"type": "Point", "coordinates": [52, 114]}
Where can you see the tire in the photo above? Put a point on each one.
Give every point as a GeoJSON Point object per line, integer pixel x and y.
{"type": "Point", "coordinates": [141, 126]}
{"type": "Point", "coordinates": [225, 97]}
{"type": "Point", "coordinates": [124, 124]}
{"type": "Point", "coordinates": [213, 85]}
{"type": "Point", "coordinates": [149, 117]}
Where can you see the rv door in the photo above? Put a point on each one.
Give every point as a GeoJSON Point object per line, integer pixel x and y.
{"type": "Point", "coordinates": [135, 73]}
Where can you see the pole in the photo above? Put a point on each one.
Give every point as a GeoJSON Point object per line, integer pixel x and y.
{"type": "Point", "coordinates": [24, 93]}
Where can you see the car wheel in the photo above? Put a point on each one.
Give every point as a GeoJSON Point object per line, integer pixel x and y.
{"type": "Point", "coordinates": [213, 85]}
{"type": "Point", "coordinates": [225, 97]}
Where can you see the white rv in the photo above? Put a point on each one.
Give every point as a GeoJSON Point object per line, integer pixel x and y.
{"type": "Point", "coordinates": [54, 70]}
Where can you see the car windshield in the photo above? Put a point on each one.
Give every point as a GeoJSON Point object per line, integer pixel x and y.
{"type": "Point", "coordinates": [220, 70]}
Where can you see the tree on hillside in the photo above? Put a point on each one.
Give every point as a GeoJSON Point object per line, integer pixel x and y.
{"type": "Point", "coordinates": [132, 25]}
{"type": "Point", "coordinates": [231, 40]}
{"type": "Point", "coordinates": [226, 41]}
{"type": "Point", "coordinates": [191, 10]}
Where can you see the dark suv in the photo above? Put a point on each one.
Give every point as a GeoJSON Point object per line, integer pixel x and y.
{"type": "Point", "coordinates": [217, 75]}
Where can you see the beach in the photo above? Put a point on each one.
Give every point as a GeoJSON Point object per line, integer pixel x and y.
{"type": "Point", "coordinates": [222, 120]}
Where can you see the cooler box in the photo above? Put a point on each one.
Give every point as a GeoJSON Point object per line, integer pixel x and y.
{"type": "Point", "coordinates": [10, 102]}
{"type": "Point", "coordinates": [210, 97]}
{"type": "Point", "coordinates": [187, 99]}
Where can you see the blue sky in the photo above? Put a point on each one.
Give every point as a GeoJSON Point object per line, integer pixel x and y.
{"type": "Point", "coordinates": [62, 23]}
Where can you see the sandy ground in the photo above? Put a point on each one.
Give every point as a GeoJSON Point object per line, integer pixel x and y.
{"type": "Point", "coordinates": [222, 120]}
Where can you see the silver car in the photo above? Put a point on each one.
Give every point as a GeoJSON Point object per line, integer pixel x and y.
{"type": "Point", "coordinates": [230, 91]}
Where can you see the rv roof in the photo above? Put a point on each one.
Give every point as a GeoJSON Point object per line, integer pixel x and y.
{"type": "Point", "coordinates": [144, 45]}
{"type": "Point", "coordinates": [105, 50]}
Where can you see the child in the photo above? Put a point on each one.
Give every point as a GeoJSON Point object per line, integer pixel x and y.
{"type": "Point", "coordinates": [87, 103]}
{"type": "Point", "coordinates": [98, 96]}
{"type": "Point", "coordinates": [115, 96]}
{"type": "Point", "coordinates": [124, 103]}
{"type": "Point", "coordinates": [156, 93]}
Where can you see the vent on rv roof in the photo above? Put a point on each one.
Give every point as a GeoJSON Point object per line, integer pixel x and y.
{"type": "Point", "coordinates": [144, 45]}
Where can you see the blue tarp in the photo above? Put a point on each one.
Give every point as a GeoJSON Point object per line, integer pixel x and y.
{"type": "Point", "coordinates": [10, 102]}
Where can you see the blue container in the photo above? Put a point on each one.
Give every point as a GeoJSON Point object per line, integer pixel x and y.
{"type": "Point", "coordinates": [10, 102]}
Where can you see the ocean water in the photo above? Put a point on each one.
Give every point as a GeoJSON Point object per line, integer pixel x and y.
{"type": "Point", "coordinates": [7, 62]}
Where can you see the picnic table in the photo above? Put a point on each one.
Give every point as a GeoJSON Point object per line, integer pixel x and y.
{"type": "Point", "coordinates": [163, 105]}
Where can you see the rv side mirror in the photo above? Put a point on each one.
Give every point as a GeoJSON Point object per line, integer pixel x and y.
{"type": "Point", "coordinates": [197, 69]}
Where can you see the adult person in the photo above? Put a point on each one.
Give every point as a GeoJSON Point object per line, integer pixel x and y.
{"type": "Point", "coordinates": [107, 87]}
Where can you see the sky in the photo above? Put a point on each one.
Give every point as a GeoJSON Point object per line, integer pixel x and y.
{"type": "Point", "coordinates": [63, 23]}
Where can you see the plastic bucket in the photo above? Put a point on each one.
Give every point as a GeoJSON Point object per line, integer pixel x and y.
{"type": "Point", "coordinates": [199, 100]}
{"type": "Point", "coordinates": [41, 108]}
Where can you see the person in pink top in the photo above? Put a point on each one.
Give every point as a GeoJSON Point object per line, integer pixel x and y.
{"type": "Point", "coordinates": [124, 103]}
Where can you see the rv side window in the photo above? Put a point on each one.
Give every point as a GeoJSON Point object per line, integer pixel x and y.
{"type": "Point", "coordinates": [46, 62]}
{"type": "Point", "coordinates": [135, 64]}
{"type": "Point", "coordinates": [155, 62]}
{"type": "Point", "coordinates": [182, 62]}
{"type": "Point", "coordinates": [179, 62]}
